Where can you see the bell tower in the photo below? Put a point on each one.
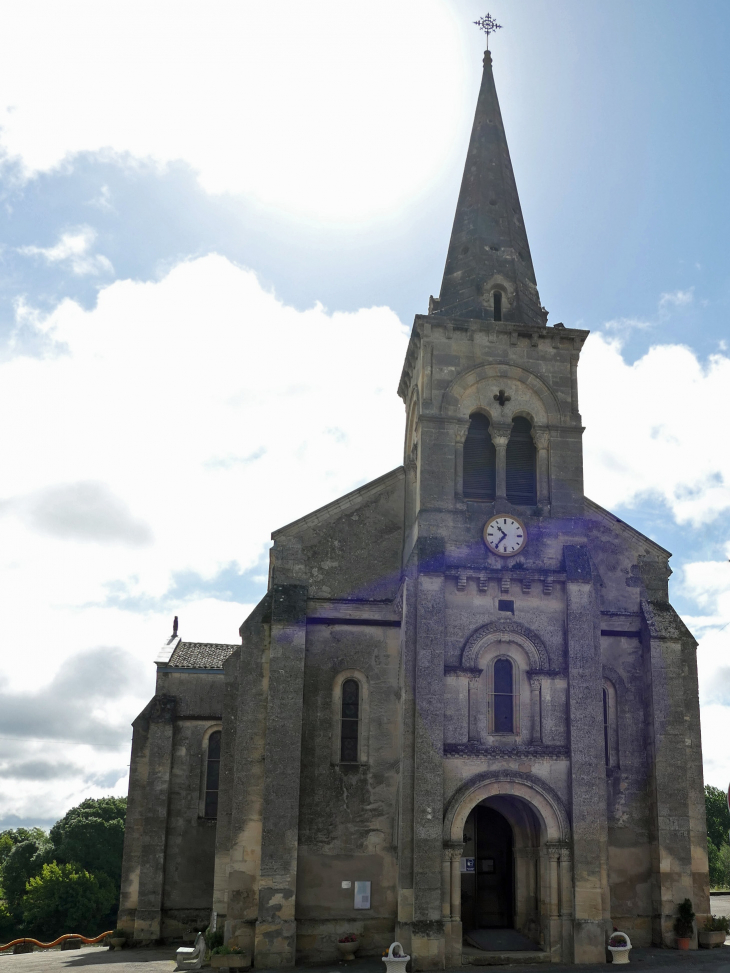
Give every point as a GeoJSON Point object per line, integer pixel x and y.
{"type": "Point", "coordinates": [493, 443]}
{"type": "Point", "coordinates": [484, 361]}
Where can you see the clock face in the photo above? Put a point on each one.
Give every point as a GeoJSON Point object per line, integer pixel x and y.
{"type": "Point", "coordinates": [505, 535]}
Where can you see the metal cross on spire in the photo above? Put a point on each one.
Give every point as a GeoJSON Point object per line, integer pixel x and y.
{"type": "Point", "coordinates": [488, 24]}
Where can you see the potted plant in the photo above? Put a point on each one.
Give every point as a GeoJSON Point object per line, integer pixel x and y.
{"type": "Point", "coordinates": [619, 946]}
{"type": "Point", "coordinates": [348, 945]}
{"type": "Point", "coordinates": [117, 939]}
{"type": "Point", "coordinates": [684, 924]}
{"type": "Point", "coordinates": [395, 959]}
{"type": "Point", "coordinates": [715, 931]}
{"type": "Point", "coordinates": [230, 958]}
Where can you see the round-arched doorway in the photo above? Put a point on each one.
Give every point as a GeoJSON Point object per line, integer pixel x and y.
{"type": "Point", "coordinates": [500, 880]}
{"type": "Point", "coordinates": [507, 845]}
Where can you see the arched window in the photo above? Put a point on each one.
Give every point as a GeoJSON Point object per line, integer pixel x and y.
{"type": "Point", "coordinates": [504, 698]}
{"type": "Point", "coordinates": [610, 725]}
{"type": "Point", "coordinates": [350, 722]}
{"type": "Point", "coordinates": [521, 464]}
{"type": "Point", "coordinates": [212, 774]}
{"type": "Point", "coordinates": [497, 297]}
{"type": "Point", "coordinates": [480, 460]}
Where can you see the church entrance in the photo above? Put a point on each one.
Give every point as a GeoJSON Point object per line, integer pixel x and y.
{"type": "Point", "coordinates": [487, 884]}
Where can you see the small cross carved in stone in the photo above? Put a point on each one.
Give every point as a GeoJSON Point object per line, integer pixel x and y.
{"type": "Point", "coordinates": [501, 397]}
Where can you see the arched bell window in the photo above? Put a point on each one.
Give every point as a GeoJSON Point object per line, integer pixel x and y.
{"type": "Point", "coordinates": [521, 464]}
{"type": "Point", "coordinates": [480, 460]}
{"type": "Point", "coordinates": [350, 722]}
{"type": "Point", "coordinates": [497, 298]}
{"type": "Point", "coordinates": [212, 774]}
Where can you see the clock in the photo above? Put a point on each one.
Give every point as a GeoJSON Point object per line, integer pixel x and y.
{"type": "Point", "coordinates": [505, 535]}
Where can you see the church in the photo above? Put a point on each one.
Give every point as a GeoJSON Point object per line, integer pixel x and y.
{"type": "Point", "coordinates": [464, 716]}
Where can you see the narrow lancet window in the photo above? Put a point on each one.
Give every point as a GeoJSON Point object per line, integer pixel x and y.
{"type": "Point", "coordinates": [480, 460]}
{"type": "Point", "coordinates": [497, 298]}
{"type": "Point", "coordinates": [503, 697]}
{"type": "Point", "coordinates": [521, 464]}
{"type": "Point", "coordinates": [350, 722]}
{"type": "Point", "coordinates": [606, 729]}
{"type": "Point", "coordinates": [212, 774]}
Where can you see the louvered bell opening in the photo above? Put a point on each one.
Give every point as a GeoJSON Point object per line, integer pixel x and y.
{"type": "Point", "coordinates": [480, 460]}
{"type": "Point", "coordinates": [521, 464]}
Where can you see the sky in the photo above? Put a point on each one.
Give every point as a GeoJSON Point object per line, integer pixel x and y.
{"type": "Point", "coordinates": [217, 221]}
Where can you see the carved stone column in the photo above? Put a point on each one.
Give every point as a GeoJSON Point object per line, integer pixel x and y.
{"type": "Point", "coordinates": [541, 438]}
{"type": "Point", "coordinates": [477, 716]}
{"type": "Point", "coordinates": [535, 688]}
{"type": "Point", "coordinates": [500, 433]}
{"type": "Point", "coordinates": [461, 430]}
{"type": "Point", "coordinates": [454, 929]}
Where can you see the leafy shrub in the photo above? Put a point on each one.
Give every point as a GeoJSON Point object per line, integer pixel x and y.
{"type": "Point", "coordinates": [213, 940]}
{"type": "Point", "coordinates": [717, 924]}
{"type": "Point", "coordinates": [683, 924]}
{"type": "Point", "coordinates": [66, 898]}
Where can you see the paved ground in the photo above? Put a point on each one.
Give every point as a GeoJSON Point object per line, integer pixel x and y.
{"type": "Point", "coordinates": [162, 960]}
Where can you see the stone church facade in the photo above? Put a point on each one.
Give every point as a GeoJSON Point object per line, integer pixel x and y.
{"type": "Point", "coordinates": [465, 702]}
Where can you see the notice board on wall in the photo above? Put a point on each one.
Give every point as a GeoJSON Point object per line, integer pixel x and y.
{"type": "Point", "coordinates": [362, 895]}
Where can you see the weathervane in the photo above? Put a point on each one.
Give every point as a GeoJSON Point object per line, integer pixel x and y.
{"type": "Point", "coordinates": [488, 24]}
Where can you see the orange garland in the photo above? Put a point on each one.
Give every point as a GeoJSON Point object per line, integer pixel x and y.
{"type": "Point", "coordinates": [68, 935]}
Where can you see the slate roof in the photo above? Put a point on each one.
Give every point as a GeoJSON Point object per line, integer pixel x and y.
{"type": "Point", "coordinates": [200, 655]}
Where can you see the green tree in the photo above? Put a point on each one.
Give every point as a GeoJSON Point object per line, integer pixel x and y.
{"type": "Point", "coordinates": [92, 836]}
{"type": "Point", "coordinates": [6, 846]}
{"type": "Point", "coordinates": [66, 898]}
{"type": "Point", "coordinates": [24, 861]}
{"type": "Point", "coordinates": [718, 816]}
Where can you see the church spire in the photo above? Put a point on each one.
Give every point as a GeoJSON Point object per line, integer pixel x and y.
{"type": "Point", "coordinates": [489, 254]}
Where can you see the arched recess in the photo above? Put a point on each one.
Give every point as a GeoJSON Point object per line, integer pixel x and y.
{"type": "Point", "coordinates": [412, 413]}
{"type": "Point", "coordinates": [545, 802]}
{"type": "Point", "coordinates": [475, 388]}
{"type": "Point", "coordinates": [505, 631]}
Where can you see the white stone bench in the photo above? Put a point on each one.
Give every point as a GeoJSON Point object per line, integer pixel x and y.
{"type": "Point", "coordinates": [191, 957]}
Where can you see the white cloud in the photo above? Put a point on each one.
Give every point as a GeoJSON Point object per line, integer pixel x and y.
{"type": "Point", "coordinates": [73, 248]}
{"type": "Point", "coordinates": [652, 427]}
{"type": "Point", "coordinates": [676, 299]}
{"type": "Point", "coordinates": [324, 109]}
{"type": "Point", "coordinates": [196, 414]}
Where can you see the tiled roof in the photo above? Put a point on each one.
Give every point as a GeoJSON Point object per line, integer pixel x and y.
{"type": "Point", "coordinates": [200, 655]}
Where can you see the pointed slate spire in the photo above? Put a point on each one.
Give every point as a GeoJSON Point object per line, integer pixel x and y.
{"type": "Point", "coordinates": [489, 251]}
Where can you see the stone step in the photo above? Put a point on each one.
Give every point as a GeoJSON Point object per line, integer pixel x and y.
{"type": "Point", "coordinates": [481, 957]}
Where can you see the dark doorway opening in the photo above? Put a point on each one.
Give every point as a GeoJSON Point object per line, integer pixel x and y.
{"type": "Point", "coordinates": [487, 892]}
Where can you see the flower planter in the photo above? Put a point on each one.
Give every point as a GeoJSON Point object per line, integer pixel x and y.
{"type": "Point", "coordinates": [711, 939]}
{"type": "Point", "coordinates": [395, 961]}
{"type": "Point", "coordinates": [71, 944]}
{"type": "Point", "coordinates": [347, 950]}
{"type": "Point", "coordinates": [620, 952]}
{"type": "Point", "coordinates": [23, 948]}
{"type": "Point", "coordinates": [117, 943]}
{"type": "Point", "coordinates": [682, 942]}
{"type": "Point", "coordinates": [230, 961]}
